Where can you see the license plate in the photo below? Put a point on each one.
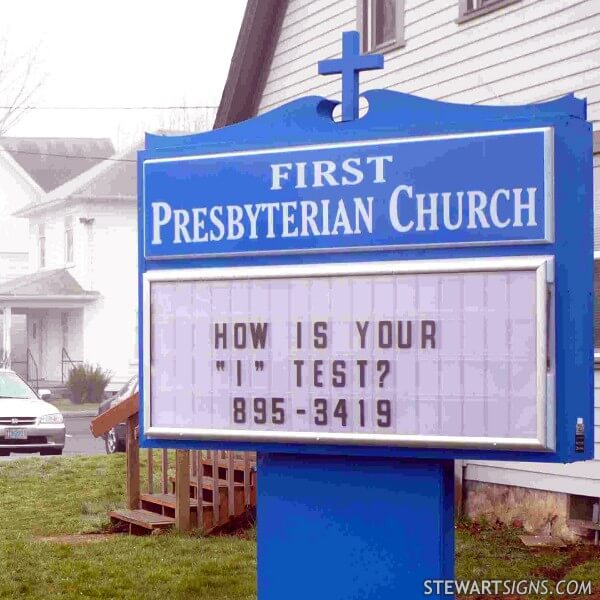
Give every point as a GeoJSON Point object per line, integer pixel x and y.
{"type": "Point", "coordinates": [15, 434]}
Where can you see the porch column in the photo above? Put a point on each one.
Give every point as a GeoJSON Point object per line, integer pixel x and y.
{"type": "Point", "coordinates": [6, 335]}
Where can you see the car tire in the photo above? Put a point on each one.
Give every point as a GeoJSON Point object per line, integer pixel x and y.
{"type": "Point", "coordinates": [51, 452]}
{"type": "Point", "coordinates": [112, 443]}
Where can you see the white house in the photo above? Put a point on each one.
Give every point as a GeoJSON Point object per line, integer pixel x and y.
{"type": "Point", "coordinates": [30, 168]}
{"type": "Point", "coordinates": [465, 51]}
{"type": "Point", "coordinates": [80, 296]}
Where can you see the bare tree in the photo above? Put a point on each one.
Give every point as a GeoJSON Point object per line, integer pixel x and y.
{"type": "Point", "coordinates": [186, 119]}
{"type": "Point", "coordinates": [19, 83]}
{"type": "Point", "coordinates": [182, 119]}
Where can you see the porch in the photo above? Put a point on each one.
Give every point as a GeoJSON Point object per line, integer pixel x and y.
{"type": "Point", "coordinates": [42, 325]}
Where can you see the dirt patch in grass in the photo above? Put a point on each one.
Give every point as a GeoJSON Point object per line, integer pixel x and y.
{"type": "Point", "coordinates": [574, 556]}
{"type": "Point", "coordinates": [494, 552]}
{"type": "Point", "coordinates": [76, 539]}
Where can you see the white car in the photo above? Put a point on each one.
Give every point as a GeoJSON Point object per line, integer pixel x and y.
{"type": "Point", "coordinates": [27, 422]}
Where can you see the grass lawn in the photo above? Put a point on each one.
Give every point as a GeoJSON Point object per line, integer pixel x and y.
{"type": "Point", "coordinates": [52, 496]}
{"type": "Point", "coordinates": [65, 405]}
{"type": "Point", "coordinates": [43, 497]}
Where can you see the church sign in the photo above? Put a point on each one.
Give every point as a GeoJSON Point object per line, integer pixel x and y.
{"type": "Point", "coordinates": [362, 302]}
{"type": "Point", "coordinates": [369, 284]}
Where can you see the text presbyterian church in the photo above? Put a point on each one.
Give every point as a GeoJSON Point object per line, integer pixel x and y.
{"type": "Point", "coordinates": [408, 209]}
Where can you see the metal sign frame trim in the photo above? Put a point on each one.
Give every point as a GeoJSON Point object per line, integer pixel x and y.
{"type": "Point", "coordinates": [543, 266]}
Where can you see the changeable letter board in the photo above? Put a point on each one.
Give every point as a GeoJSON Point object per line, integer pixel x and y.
{"type": "Point", "coordinates": [452, 353]}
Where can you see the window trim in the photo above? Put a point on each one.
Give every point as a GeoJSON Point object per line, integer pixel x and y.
{"type": "Point", "coordinates": [465, 15]}
{"type": "Point", "coordinates": [398, 42]}
{"type": "Point", "coordinates": [69, 228]}
{"type": "Point", "coordinates": [64, 329]}
{"type": "Point", "coordinates": [41, 246]}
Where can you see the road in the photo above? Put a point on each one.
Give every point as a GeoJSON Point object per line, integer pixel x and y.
{"type": "Point", "coordinates": [79, 440]}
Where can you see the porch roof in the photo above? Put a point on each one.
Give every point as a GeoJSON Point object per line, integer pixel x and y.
{"type": "Point", "coordinates": [56, 286]}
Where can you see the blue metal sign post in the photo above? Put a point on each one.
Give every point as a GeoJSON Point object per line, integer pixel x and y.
{"type": "Point", "coordinates": [362, 302]}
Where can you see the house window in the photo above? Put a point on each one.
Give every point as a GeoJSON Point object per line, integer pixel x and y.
{"type": "Point", "coordinates": [42, 246]}
{"type": "Point", "coordinates": [68, 240]}
{"type": "Point", "coordinates": [381, 23]}
{"type": "Point", "coordinates": [469, 9]}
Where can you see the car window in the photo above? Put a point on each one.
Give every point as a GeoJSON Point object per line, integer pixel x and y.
{"type": "Point", "coordinates": [12, 386]}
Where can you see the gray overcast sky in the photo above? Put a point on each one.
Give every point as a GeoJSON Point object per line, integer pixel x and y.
{"type": "Point", "coordinates": [121, 53]}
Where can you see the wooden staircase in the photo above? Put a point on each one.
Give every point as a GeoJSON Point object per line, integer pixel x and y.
{"type": "Point", "coordinates": [209, 488]}
{"type": "Point", "coordinates": [221, 498]}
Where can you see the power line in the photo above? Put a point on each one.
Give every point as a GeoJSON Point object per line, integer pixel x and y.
{"type": "Point", "coordinates": [127, 160]}
{"type": "Point", "coordinates": [195, 107]}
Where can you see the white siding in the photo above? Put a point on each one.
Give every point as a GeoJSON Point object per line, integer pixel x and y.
{"type": "Point", "coordinates": [15, 192]}
{"type": "Point", "coordinates": [530, 51]}
{"type": "Point", "coordinates": [18, 341]}
{"type": "Point", "coordinates": [526, 52]}
{"type": "Point", "coordinates": [13, 264]}
{"type": "Point", "coordinates": [53, 221]}
{"type": "Point", "coordinates": [109, 324]}
{"type": "Point", "coordinates": [104, 261]}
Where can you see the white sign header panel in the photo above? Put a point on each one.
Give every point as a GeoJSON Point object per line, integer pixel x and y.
{"type": "Point", "coordinates": [449, 353]}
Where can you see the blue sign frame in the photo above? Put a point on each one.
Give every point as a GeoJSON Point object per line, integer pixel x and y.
{"type": "Point", "coordinates": [392, 115]}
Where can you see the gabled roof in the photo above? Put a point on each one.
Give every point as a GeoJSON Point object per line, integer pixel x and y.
{"type": "Point", "coordinates": [112, 179]}
{"type": "Point", "coordinates": [51, 162]}
{"type": "Point", "coordinates": [55, 282]}
{"type": "Point", "coordinates": [251, 61]}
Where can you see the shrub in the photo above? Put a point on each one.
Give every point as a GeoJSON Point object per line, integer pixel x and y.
{"type": "Point", "coordinates": [86, 383]}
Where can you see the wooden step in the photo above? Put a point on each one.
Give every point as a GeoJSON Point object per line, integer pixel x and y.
{"type": "Point", "coordinates": [166, 500]}
{"type": "Point", "coordinates": [140, 521]}
{"type": "Point", "coordinates": [164, 504]}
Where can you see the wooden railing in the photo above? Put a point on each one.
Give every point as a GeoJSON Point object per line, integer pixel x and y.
{"type": "Point", "coordinates": [189, 467]}
{"type": "Point", "coordinates": [190, 470]}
